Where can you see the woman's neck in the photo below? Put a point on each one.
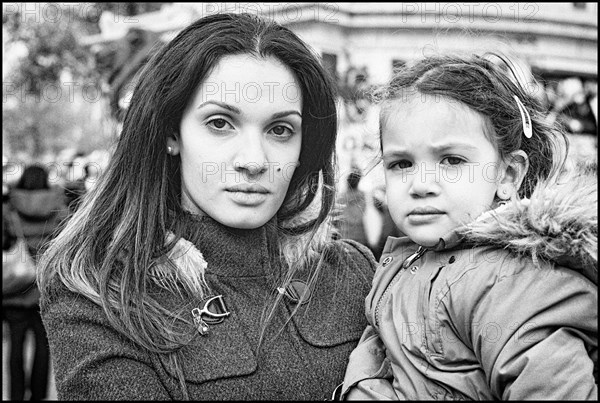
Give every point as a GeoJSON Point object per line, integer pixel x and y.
{"type": "Point", "coordinates": [232, 252]}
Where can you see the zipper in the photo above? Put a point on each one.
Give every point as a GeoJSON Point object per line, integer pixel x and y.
{"type": "Point", "coordinates": [407, 262]}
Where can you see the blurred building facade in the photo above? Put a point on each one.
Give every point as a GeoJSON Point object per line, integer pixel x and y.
{"type": "Point", "coordinates": [362, 43]}
{"type": "Point", "coordinates": [556, 39]}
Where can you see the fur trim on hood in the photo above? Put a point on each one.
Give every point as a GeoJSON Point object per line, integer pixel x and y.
{"type": "Point", "coordinates": [559, 223]}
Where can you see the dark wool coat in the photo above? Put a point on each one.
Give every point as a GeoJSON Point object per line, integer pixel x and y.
{"type": "Point", "coordinates": [305, 361]}
{"type": "Point", "coordinates": [504, 308]}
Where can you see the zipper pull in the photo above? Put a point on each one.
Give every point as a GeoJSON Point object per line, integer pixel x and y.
{"type": "Point", "coordinates": [414, 257]}
{"type": "Point", "coordinates": [201, 325]}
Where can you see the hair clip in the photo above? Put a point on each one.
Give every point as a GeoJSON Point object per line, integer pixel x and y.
{"type": "Point", "coordinates": [527, 129]}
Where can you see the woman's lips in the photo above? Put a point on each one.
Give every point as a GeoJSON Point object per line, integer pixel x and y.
{"type": "Point", "coordinates": [247, 195]}
{"type": "Point", "coordinates": [246, 188]}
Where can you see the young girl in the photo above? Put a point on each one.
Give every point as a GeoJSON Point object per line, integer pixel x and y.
{"type": "Point", "coordinates": [492, 294]}
{"type": "Point", "coordinates": [202, 266]}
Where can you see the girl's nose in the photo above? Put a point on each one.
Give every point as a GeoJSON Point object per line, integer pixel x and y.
{"type": "Point", "coordinates": [425, 181]}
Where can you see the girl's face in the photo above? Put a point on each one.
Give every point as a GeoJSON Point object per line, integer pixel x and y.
{"type": "Point", "coordinates": [240, 141]}
{"type": "Point", "coordinates": [440, 169]}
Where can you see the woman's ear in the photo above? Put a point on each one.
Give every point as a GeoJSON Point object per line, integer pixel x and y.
{"type": "Point", "coordinates": [172, 146]}
{"type": "Point", "coordinates": [514, 170]}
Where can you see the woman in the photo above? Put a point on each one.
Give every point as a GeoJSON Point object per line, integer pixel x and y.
{"type": "Point", "coordinates": [202, 265]}
{"type": "Point", "coordinates": [36, 210]}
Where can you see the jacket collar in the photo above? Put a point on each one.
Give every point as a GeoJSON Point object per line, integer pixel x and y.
{"type": "Point", "coordinates": [232, 252]}
{"type": "Point", "coordinates": [454, 239]}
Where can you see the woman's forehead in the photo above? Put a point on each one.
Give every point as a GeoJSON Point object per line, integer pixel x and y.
{"type": "Point", "coordinates": [240, 79]}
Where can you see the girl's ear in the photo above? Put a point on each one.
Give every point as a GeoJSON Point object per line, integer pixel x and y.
{"type": "Point", "coordinates": [172, 146]}
{"type": "Point", "coordinates": [515, 168]}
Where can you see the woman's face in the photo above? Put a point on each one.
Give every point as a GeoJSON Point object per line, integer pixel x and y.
{"type": "Point", "coordinates": [240, 141]}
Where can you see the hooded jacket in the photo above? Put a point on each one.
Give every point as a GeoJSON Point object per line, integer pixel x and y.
{"type": "Point", "coordinates": [40, 213]}
{"type": "Point", "coordinates": [503, 308]}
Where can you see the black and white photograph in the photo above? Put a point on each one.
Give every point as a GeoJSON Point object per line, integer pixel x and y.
{"type": "Point", "coordinates": [299, 201]}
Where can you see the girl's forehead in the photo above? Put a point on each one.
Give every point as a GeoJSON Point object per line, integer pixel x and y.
{"type": "Point", "coordinates": [433, 112]}
{"type": "Point", "coordinates": [431, 120]}
{"type": "Point", "coordinates": [441, 106]}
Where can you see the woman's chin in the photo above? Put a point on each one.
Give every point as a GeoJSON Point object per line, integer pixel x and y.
{"type": "Point", "coordinates": [243, 221]}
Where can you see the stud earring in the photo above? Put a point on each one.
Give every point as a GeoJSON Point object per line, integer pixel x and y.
{"type": "Point", "coordinates": [169, 150]}
{"type": "Point", "coordinates": [504, 195]}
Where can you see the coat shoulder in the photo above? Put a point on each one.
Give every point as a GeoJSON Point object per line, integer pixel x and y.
{"type": "Point", "coordinates": [356, 256]}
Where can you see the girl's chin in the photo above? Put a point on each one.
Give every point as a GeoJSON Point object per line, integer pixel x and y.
{"type": "Point", "coordinates": [427, 240]}
{"type": "Point", "coordinates": [428, 243]}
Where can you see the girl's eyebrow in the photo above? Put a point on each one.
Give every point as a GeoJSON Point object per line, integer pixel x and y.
{"type": "Point", "coordinates": [401, 152]}
{"type": "Point", "coordinates": [395, 154]}
{"type": "Point", "coordinates": [453, 146]}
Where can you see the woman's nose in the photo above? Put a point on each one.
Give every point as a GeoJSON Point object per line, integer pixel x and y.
{"type": "Point", "coordinates": [251, 156]}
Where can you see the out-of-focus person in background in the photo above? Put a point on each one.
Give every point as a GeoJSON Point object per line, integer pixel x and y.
{"type": "Point", "coordinates": [352, 203]}
{"type": "Point", "coordinates": [40, 210]}
{"type": "Point", "coordinates": [77, 189]}
{"type": "Point", "coordinates": [387, 227]}
{"type": "Point", "coordinates": [574, 107]}
{"type": "Point", "coordinates": [73, 181]}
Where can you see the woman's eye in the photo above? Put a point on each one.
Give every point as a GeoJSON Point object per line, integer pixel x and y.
{"type": "Point", "coordinates": [218, 123]}
{"type": "Point", "coordinates": [282, 131]}
{"type": "Point", "coordinates": [453, 160]}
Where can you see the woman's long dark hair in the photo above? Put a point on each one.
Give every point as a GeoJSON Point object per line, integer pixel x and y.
{"type": "Point", "coordinates": [110, 242]}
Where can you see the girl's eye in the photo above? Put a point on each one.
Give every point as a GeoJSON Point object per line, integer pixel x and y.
{"type": "Point", "coordinates": [453, 160]}
{"type": "Point", "coordinates": [218, 123]}
{"type": "Point", "coordinates": [402, 164]}
{"type": "Point", "coordinates": [282, 131]}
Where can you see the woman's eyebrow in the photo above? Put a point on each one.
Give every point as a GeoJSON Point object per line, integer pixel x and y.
{"type": "Point", "coordinates": [238, 111]}
{"type": "Point", "coordinates": [286, 113]}
{"type": "Point", "coordinates": [223, 105]}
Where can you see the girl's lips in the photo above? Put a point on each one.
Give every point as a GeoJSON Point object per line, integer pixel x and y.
{"type": "Point", "coordinates": [425, 211]}
{"type": "Point", "coordinates": [422, 218]}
